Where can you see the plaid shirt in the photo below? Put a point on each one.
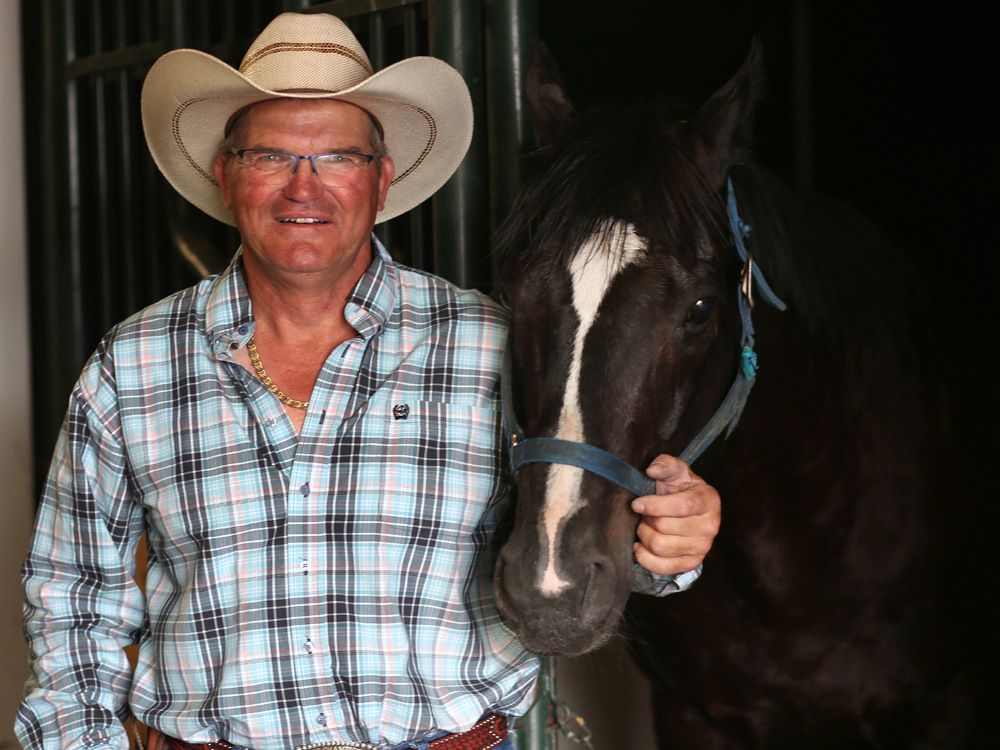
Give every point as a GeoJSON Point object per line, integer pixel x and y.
{"type": "Point", "coordinates": [331, 585]}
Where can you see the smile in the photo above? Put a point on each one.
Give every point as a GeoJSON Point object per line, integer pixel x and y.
{"type": "Point", "coordinates": [302, 221]}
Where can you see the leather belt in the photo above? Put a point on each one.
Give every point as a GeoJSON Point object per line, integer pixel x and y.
{"type": "Point", "coordinates": [486, 734]}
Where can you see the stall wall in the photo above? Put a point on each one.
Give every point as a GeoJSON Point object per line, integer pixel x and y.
{"type": "Point", "coordinates": [15, 386]}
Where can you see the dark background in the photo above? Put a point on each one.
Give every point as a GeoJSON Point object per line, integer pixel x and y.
{"type": "Point", "coordinates": [900, 121]}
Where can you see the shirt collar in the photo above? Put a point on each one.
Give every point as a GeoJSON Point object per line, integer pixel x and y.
{"type": "Point", "coordinates": [370, 304]}
{"type": "Point", "coordinates": [229, 313]}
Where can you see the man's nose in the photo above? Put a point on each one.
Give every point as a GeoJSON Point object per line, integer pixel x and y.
{"type": "Point", "coordinates": [303, 182]}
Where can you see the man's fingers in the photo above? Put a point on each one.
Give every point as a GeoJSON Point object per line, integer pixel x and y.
{"type": "Point", "coordinates": [665, 566]}
{"type": "Point", "coordinates": [679, 522]}
{"type": "Point", "coordinates": [693, 540]}
{"type": "Point", "coordinates": [705, 525]}
{"type": "Point", "coordinates": [694, 500]}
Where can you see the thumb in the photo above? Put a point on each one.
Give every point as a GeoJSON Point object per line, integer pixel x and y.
{"type": "Point", "coordinates": [671, 474]}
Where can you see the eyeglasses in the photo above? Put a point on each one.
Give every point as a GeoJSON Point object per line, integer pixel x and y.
{"type": "Point", "coordinates": [270, 166]}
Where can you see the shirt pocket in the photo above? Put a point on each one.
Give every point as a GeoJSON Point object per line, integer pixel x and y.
{"type": "Point", "coordinates": [431, 466]}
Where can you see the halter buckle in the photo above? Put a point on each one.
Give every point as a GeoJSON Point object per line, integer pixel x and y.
{"type": "Point", "coordinates": [746, 280]}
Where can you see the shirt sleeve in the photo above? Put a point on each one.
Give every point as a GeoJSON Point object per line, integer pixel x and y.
{"type": "Point", "coordinates": [657, 585]}
{"type": "Point", "coordinates": [82, 604]}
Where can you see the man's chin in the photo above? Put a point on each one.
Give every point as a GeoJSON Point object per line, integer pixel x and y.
{"type": "Point", "coordinates": [304, 260]}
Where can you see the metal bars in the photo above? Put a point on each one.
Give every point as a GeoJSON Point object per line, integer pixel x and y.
{"type": "Point", "coordinates": [108, 236]}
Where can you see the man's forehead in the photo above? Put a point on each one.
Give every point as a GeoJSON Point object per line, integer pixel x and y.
{"type": "Point", "coordinates": [242, 117]}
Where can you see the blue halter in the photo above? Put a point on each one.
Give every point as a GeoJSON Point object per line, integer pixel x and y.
{"type": "Point", "coordinates": [597, 461]}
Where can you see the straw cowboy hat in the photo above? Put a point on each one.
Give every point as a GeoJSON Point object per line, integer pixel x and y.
{"type": "Point", "coordinates": [421, 103]}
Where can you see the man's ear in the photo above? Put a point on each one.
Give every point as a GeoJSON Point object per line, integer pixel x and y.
{"type": "Point", "coordinates": [387, 170]}
{"type": "Point", "coordinates": [219, 170]}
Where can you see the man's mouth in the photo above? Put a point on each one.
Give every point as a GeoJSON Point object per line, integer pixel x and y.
{"type": "Point", "coordinates": [302, 221]}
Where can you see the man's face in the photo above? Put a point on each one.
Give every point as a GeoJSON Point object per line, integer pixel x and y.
{"type": "Point", "coordinates": [304, 225]}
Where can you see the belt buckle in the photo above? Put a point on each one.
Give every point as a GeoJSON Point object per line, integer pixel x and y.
{"type": "Point", "coordinates": [339, 746]}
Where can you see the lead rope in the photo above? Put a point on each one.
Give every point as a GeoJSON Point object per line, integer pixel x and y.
{"type": "Point", "coordinates": [548, 717]}
{"type": "Point", "coordinates": [571, 725]}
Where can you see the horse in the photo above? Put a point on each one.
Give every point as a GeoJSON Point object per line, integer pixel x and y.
{"type": "Point", "coordinates": [835, 609]}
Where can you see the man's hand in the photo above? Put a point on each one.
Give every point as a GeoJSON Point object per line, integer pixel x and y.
{"type": "Point", "coordinates": [679, 522]}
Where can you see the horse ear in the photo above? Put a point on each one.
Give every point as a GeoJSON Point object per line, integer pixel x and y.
{"type": "Point", "coordinates": [549, 104]}
{"type": "Point", "coordinates": [723, 125]}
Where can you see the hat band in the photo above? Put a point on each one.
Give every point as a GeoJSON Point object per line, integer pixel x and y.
{"type": "Point", "coordinates": [431, 138]}
{"type": "Point", "coordinates": [322, 47]}
{"type": "Point", "coordinates": [175, 130]}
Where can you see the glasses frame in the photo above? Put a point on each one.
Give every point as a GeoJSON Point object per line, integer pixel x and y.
{"type": "Point", "coordinates": [311, 158]}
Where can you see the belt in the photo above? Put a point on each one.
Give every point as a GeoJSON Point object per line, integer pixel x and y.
{"type": "Point", "coordinates": [487, 733]}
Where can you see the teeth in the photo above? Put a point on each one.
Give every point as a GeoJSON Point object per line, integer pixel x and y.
{"type": "Point", "coordinates": [301, 221]}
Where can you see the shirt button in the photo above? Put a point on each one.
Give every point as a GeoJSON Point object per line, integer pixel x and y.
{"type": "Point", "coordinates": [305, 489]}
{"type": "Point", "coordinates": [242, 330]}
{"type": "Point", "coordinates": [269, 421]}
{"type": "Point", "coordinates": [321, 720]}
{"type": "Point", "coordinates": [308, 646]}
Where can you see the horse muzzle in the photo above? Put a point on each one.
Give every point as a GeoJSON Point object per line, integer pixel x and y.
{"type": "Point", "coordinates": [578, 618]}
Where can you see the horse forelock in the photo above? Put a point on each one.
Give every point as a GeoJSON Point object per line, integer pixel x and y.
{"type": "Point", "coordinates": [638, 165]}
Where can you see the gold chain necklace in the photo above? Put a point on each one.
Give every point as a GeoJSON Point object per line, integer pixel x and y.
{"type": "Point", "coordinates": [258, 367]}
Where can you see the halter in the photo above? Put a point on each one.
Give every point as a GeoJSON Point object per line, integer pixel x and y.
{"type": "Point", "coordinates": [523, 451]}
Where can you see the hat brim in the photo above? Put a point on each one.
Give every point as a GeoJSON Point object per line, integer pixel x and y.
{"type": "Point", "coordinates": [422, 104]}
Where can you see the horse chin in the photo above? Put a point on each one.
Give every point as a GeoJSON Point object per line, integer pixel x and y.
{"type": "Point", "coordinates": [555, 634]}
{"type": "Point", "coordinates": [562, 625]}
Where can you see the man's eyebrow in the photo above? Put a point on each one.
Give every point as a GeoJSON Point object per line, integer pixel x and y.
{"type": "Point", "coordinates": [330, 150]}
{"type": "Point", "coordinates": [347, 150]}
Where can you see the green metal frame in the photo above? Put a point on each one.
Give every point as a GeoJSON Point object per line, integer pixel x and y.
{"type": "Point", "coordinates": [107, 236]}
{"type": "Point", "coordinates": [91, 182]}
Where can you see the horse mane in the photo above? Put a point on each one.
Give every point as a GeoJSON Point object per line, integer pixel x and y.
{"type": "Point", "coordinates": [837, 270]}
{"type": "Point", "coordinates": [638, 162]}
{"type": "Point", "coordinates": [624, 163]}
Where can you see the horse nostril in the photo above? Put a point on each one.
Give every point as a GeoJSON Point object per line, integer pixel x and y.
{"type": "Point", "coordinates": [600, 585]}
{"type": "Point", "coordinates": [506, 579]}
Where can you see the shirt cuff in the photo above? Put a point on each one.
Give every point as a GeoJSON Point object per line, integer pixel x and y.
{"type": "Point", "coordinates": [661, 585]}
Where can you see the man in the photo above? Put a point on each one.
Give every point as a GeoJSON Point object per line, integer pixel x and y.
{"type": "Point", "coordinates": [309, 441]}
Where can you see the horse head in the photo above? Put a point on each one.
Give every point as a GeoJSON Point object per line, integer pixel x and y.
{"type": "Point", "coordinates": [622, 281]}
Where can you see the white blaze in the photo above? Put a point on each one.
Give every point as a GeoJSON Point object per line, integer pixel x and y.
{"type": "Point", "coordinates": [593, 269]}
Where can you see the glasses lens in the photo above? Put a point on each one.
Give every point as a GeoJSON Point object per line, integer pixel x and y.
{"type": "Point", "coordinates": [338, 164]}
{"type": "Point", "coordinates": [267, 161]}
{"type": "Point", "coordinates": [265, 166]}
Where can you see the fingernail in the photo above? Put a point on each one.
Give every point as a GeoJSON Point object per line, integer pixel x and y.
{"type": "Point", "coordinates": [638, 506]}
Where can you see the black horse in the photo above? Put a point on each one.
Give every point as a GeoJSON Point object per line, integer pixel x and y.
{"type": "Point", "coordinates": [833, 610]}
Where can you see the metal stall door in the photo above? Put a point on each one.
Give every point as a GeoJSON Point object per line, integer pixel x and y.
{"type": "Point", "coordinates": [107, 234]}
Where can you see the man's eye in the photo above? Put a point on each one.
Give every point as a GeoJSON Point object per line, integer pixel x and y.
{"type": "Point", "coordinates": [272, 158]}
{"type": "Point", "coordinates": [337, 161]}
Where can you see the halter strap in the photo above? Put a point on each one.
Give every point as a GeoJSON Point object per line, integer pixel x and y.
{"type": "Point", "coordinates": [583, 456]}
{"type": "Point", "coordinates": [523, 451]}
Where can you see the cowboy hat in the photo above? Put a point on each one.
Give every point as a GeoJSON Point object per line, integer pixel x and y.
{"type": "Point", "coordinates": [421, 104]}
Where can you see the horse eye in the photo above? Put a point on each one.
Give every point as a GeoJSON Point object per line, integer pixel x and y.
{"type": "Point", "coordinates": [700, 312]}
